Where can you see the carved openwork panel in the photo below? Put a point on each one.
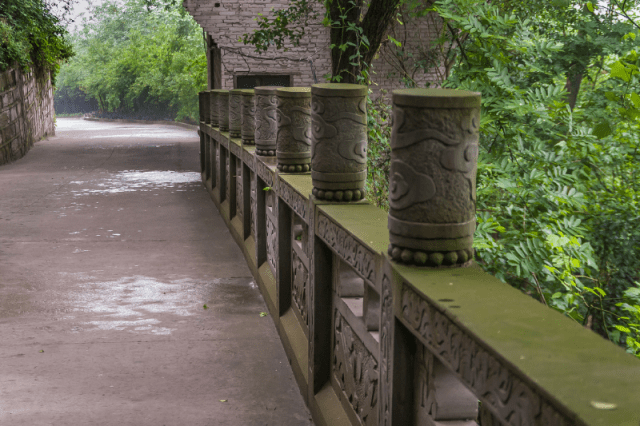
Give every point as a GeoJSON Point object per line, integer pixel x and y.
{"type": "Point", "coordinates": [348, 248]}
{"type": "Point", "coordinates": [386, 348]}
{"type": "Point", "coordinates": [355, 371]}
{"type": "Point", "coordinates": [239, 188]}
{"type": "Point", "coordinates": [297, 202]}
{"type": "Point", "coordinates": [254, 204]}
{"type": "Point", "coordinates": [272, 237]}
{"type": "Point", "coordinates": [299, 288]}
{"type": "Point", "coordinates": [227, 171]}
{"type": "Point", "coordinates": [502, 391]}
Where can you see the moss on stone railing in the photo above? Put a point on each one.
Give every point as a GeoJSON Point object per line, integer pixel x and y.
{"type": "Point", "coordinates": [373, 341]}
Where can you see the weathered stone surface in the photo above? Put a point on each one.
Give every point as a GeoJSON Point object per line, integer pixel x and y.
{"type": "Point", "coordinates": [339, 141]}
{"type": "Point", "coordinates": [214, 108]}
{"type": "Point", "coordinates": [294, 129]}
{"type": "Point", "coordinates": [205, 105]}
{"type": "Point", "coordinates": [248, 112]}
{"type": "Point", "coordinates": [26, 112]}
{"type": "Point", "coordinates": [235, 113]}
{"type": "Point", "coordinates": [265, 120]}
{"type": "Point", "coordinates": [223, 109]}
{"type": "Point", "coordinates": [432, 183]}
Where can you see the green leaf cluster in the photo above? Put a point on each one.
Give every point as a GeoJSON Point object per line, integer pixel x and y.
{"type": "Point", "coordinates": [32, 37]}
{"type": "Point", "coordinates": [137, 54]}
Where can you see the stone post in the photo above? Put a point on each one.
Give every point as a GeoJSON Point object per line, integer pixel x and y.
{"type": "Point", "coordinates": [213, 105]}
{"type": "Point", "coordinates": [223, 110]}
{"type": "Point", "coordinates": [432, 182]}
{"type": "Point", "coordinates": [266, 126]}
{"type": "Point", "coordinates": [339, 141]}
{"type": "Point", "coordinates": [203, 98]}
{"type": "Point", "coordinates": [248, 112]}
{"type": "Point", "coordinates": [294, 127]}
{"type": "Point", "coordinates": [235, 113]}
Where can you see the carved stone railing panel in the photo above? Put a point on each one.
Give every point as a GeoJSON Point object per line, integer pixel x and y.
{"type": "Point", "coordinates": [227, 169]}
{"type": "Point", "coordinates": [254, 204]}
{"type": "Point", "coordinates": [239, 188]}
{"type": "Point", "coordinates": [297, 202]}
{"type": "Point", "coordinates": [347, 247]}
{"type": "Point", "coordinates": [272, 235]}
{"type": "Point", "coordinates": [249, 159]}
{"type": "Point", "coordinates": [299, 287]}
{"type": "Point", "coordinates": [355, 371]}
{"type": "Point", "coordinates": [265, 173]}
{"type": "Point", "coordinates": [511, 400]}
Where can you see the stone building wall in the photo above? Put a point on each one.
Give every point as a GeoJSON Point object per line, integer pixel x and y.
{"type": "Point", "coordinates": [226, 22]}
{"type": "Point", "coordinates": [26, 112]}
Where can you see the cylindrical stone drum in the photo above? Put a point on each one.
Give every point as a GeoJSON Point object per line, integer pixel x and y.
{"type": "Point", "coordinates": [203, 98]}
{"type": "Point", "coordinates": [235, 113]}
{"type": "Point", "coordinates": [293, 139]}
{"type": "Point", "coordinates": [247, 132]}
{"type": "Point", "coordinates": [223, 110]}
{"type": "Point", "coordinates": [266, 125]}
{"type": "Point", "coordinates": [432, 178]}
{"type": "Point", "coordinates": [213, 106]}
{"type": "Point", "coordinates": [339, 141]}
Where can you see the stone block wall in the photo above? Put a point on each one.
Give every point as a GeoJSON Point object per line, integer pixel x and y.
{"type": "Point", "coordinates": [26, 112]}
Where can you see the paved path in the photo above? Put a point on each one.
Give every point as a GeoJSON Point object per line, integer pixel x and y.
{"type": "Point", "coordinates": [109, 249]}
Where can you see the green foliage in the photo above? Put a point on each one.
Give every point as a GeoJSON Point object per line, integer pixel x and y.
{"type": "Point", "coordinates": [558, 172]}
{"type": "Point", "coordinates": [31, 36]}
{"type": "Point", "coordinates": [137, 55]}
{"type": "Point", "coordinates": [557, 176]}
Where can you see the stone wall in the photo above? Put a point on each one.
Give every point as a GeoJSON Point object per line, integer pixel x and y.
{"type": "Point", "coordinates": [26, 112]}
{"type": "Point", "coordinates": [226, 22]}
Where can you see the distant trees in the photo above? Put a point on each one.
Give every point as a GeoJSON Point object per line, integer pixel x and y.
{"type": "Point", "coordinates": [137, 56]}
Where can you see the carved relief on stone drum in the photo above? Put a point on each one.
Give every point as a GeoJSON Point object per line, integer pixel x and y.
{"type": "Point", "coordinates": [213, 106]}
{"type": "Point", "coordinates": [432, 182]}
{"type": "Point", "coordinates": [339, 141]}
{"type": "Point", "coordinates": [203, 98]}
{"type": "Point", "coordinates": [235, 113]}
{"type": "Point", "coordinates": [294, 129]}
{"type": "Point", "coordinates": [247, 116]}
{"type": "Point", "coordinates": [223, 109]}
{"type": "Point", "coordinates": [265, 120]}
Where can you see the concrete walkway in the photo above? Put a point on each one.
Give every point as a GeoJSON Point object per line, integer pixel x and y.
{"type": "Point", "coordinates": [110, 248]}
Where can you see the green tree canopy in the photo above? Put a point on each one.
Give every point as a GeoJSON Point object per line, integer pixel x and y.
{"type": "Point", "coordinates": [136, 54]}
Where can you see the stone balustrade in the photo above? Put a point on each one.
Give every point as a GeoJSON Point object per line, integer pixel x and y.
{"type": "Point", "coordinates": [377, 341]}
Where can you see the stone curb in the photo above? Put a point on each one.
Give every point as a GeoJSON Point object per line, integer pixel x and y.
{"type": "Point", "coordinates": [122, 120]}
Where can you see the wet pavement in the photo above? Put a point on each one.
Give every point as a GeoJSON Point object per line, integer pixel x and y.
{"type": "Point", "coordinates": [110, 249]}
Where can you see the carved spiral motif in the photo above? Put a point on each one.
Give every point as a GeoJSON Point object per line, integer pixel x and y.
{"type": "Point", "coordinates": [235, 113]}
{"type": "Point", "coordinates": [265, 120]}
{"type": "Point", "coordinates": [432, 182]}
{"type": "Point", "coordinates": [339, 141]}
{"type": "Point", "coordinates": [213, 106]}
{"type": "Point", "coordinates": [223, 110]}
{"type": "Point", "coordinates": [248, 117]}
{"type": "Point", "coordinates": [293, 139]}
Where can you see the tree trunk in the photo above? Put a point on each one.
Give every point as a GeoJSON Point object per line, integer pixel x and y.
{"type": "Point", "coordinates": [574, 80]}
{"type": "Point", "coordinates": [374, 27]}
